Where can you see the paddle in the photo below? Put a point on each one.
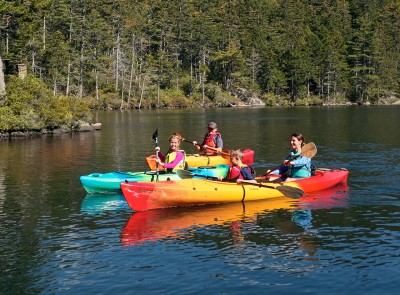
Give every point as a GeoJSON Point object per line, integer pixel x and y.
{"type": "Point", "coordinates": [209, 147]}
{"type": "Point", "coordinates": [155, 138]}
{"type": "Point", "coordinates": [287, 191]}
{"type": "Point", "coordinates": [309, 150]}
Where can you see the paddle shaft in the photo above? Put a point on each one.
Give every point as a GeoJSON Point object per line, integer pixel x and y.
{"type": "Point", "coordinates": [155, 137]}
{"type": "Point", "coordinates": [209, 147]}
{"type": "Point", "coordinates": [287, 191]}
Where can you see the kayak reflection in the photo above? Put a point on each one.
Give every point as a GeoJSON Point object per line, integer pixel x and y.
{"type": "Point", "coordinates": [100, 203]}
{"type": "Point", "coordinates": [157, 224]}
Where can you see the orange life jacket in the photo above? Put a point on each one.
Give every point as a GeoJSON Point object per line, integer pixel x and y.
{"type": "Point", "coordinates": [210, 140]}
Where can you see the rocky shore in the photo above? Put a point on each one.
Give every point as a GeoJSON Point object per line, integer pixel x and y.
{"type": "Point", "coordinates": [25, 134]}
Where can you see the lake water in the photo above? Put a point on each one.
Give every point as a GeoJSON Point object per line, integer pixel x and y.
{"type": "Point", "coordinates": [56, 239]}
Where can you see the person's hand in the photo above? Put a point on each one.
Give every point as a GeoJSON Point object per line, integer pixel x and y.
{"type": "Point", "coordinates": [220, 178]}
{"type": "Point", "coordinates": [268, 172]}
{"type": "Point", "coordinates": [157, 149]}
{"type": "Point", "coordinates": [194, 142]}
{"type": "Point", "coordinates": [158, 161]}
{"type": "Point", "coordinates": [204, 147]}
{"type": "Point", "coordinates": [286, 163]}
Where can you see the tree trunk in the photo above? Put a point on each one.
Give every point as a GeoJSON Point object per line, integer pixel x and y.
{"type": "Point", "coordinates": [2, 81]}
{"type": "Point", "coordinates": [122, 89]}
{"type": "Point", "coordinates": [44, 33]}
{"type": "Point", "coordinates": [132, 68]}
{"type": "Point", "coordinates": [68, 75]}
{"type": "Point", "coordinates": [142, 91]}
{"type": "Point", "coordinates": [117, 63]}
{"type": "Point", "coordinates": [54, 87]}
{"type": "Point", "coordinates": [82, 53]}
{"type": "Point", "coordinates": [97, 84]}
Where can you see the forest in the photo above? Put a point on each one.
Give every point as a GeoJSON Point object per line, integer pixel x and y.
{"type": "Point", "coordinates": [110, 54]}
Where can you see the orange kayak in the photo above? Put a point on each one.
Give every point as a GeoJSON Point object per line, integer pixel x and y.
{"type": "Point", "coordinates": [199, 160]}
{"type": "Point", "coordinates": [196, 191]}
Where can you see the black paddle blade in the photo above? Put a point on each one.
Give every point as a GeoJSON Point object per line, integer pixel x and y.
{"type": "Point", "coordinates": [290, 191]}
{"type": "Point", "coordinates": [155, 135]}
{"type": "Point", "coordinates": [184, 174]}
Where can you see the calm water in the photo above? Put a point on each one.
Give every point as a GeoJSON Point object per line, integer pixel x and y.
{"type": "Point", "coordinates": [55, 239]}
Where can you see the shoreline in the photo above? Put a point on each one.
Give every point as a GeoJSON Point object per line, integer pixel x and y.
{"type": "Point", "coordinates": [4, 135]}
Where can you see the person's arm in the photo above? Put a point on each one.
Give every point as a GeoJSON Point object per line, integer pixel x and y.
{"type": "Point", "coordinates": [198, 146]}
{"type": "Point", "coordinates": [218, 142]}
{"type": "Point", "coordinates": [246, 174]}
{"type": "Point", "coordinates": [178, 158]}
{"type": "Point", "coordinates": [300, 161]}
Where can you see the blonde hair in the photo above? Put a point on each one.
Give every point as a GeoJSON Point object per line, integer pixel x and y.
{"type": "Point", "coordinates": [236, 153]}
{"type": "Point", "coordinates": [174, 136]}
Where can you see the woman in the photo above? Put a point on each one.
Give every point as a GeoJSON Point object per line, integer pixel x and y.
{"type": "Point", "coordinates": [175, 158]}
{"type": "Point", "coordinates": [294, 166]}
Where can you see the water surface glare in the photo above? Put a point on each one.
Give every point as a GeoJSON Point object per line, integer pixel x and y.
{"type": "Point", "coordinates": [56, 239]}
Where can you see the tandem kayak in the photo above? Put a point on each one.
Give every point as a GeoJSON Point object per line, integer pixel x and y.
{"type": "Point", "coordinates": [153, 225]}
{"type": "Point", "coordinates": [110, 182]}
{"type": "Point", "coordinates": [199, 191]}
{"type": "Point", "coordinates": [197, 160]}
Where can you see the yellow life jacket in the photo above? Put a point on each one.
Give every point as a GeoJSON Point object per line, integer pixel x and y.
{"type": "Point", "coordinates": [170, 157]}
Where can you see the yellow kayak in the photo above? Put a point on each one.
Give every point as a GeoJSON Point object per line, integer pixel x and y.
{"type": "Point", "coordinates": [199, 160]}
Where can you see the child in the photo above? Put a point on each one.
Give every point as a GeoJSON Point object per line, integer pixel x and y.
{"type": "Point", "coordinates": [238, 171]}
{"type": "Point", "coordinates": [175, 158]}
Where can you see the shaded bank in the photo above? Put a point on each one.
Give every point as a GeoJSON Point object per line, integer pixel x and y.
{"type": "Point", "coordinates": [32, 133]}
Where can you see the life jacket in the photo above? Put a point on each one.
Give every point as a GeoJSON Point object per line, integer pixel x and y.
{"type": "Point", "coordinates": [170, 157]}
{"type": "Point", "coordinates": [298, 172]}
{"type": "Point", "coordinates": [236, 172]}
{"type": "Point", "coordinates": [211, 140]}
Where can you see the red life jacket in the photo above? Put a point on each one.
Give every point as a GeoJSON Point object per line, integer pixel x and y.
{"type": "Point", "coordinates": [210, 140]}
{"type": "Point", "coordinates": [235, 172]}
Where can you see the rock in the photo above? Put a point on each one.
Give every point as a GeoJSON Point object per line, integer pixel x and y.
{"type": "Point", "coordinates": [96, 126]}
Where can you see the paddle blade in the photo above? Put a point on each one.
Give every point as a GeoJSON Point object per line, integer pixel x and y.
{"type": "Point", "coordinates": [184, 174]}
{"type": "Point", "coordinates": [155, 135]}
{"type": "Point", "coordinates": [290, 191]}
{"type": "Point", "coordinates": [309, 150]}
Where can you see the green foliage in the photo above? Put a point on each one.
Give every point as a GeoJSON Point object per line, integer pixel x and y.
{"type": "Point", "coordinates": [286, 48]}
{"type": "Point", "coordinates": [272, 99]}
{"type": "Point", "coordinates": [312, 100]}
{"type": "Point", "coordinates": [30, 105]}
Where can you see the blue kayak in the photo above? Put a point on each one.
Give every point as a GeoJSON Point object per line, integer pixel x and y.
{"type": "Point", "coordinates": [110, 182]}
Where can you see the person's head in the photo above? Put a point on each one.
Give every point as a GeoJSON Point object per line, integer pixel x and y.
{"type": "Point", "coordinates": [174, 142]}
{"type": "Point", "coordinates": [236, 157]}
{"type": "Point", "coordinates": [212, 126]}
{"type": "Point", "coordinates": [297, 141]}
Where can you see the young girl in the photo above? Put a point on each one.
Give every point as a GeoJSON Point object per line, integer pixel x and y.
{"type": "Point", "coordinates": [175, 158]}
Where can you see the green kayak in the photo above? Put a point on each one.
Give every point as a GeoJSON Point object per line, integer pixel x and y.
{"type": "Point", "coordinates": [110, 182]}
